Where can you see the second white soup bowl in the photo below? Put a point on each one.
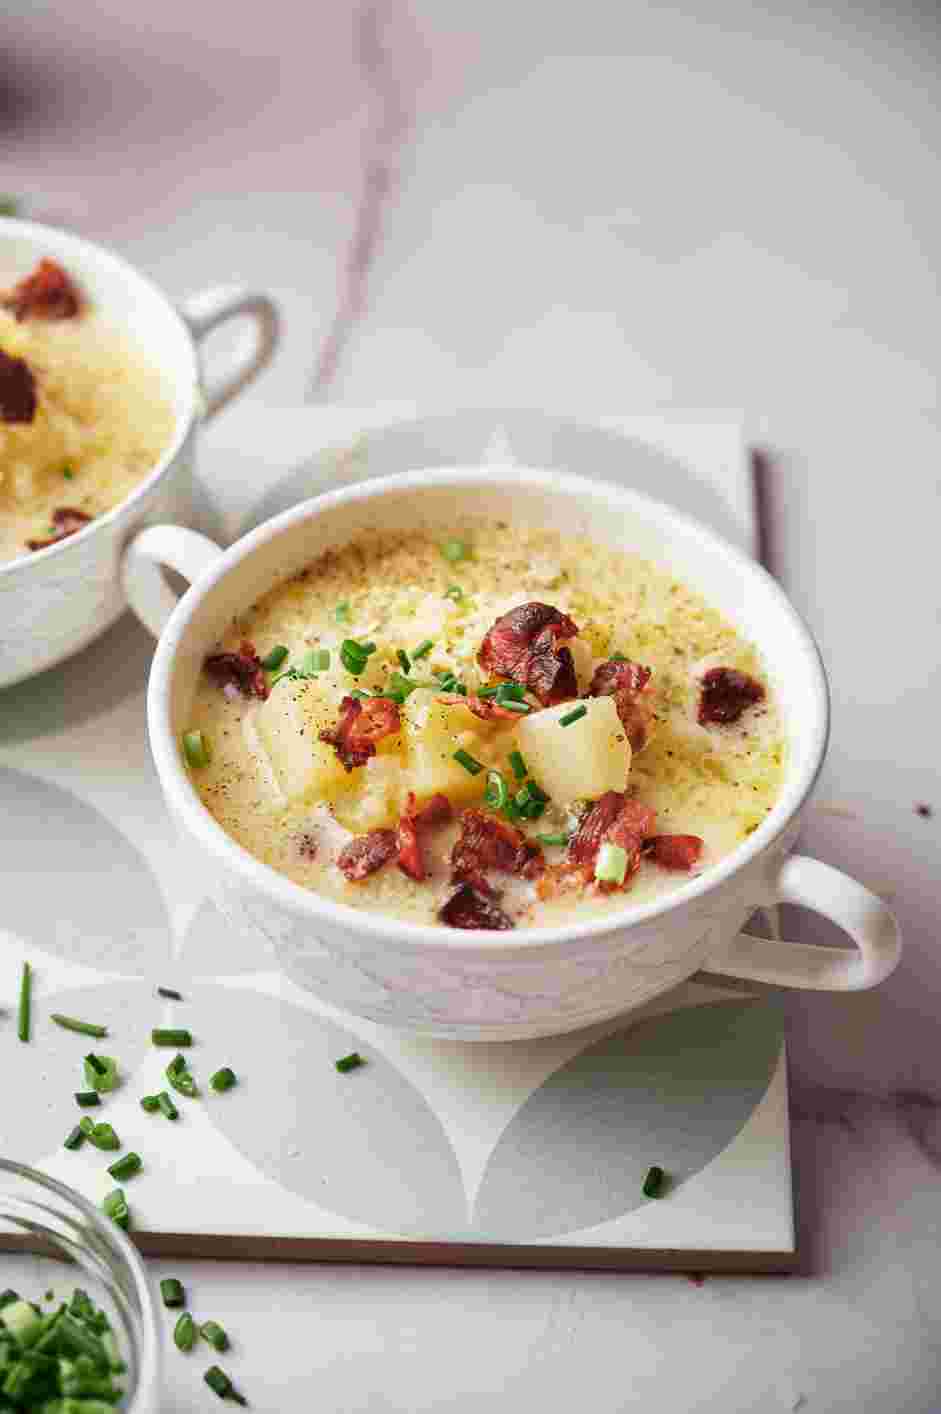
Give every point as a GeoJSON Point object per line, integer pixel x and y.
{"type": "Point", "coordinates": [541, 981]}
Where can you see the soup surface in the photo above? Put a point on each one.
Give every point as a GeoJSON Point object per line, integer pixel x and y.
{"type": "Point", "coordinates": [83, 416]}
{"type": "Point", "coordinates": [503, 730]}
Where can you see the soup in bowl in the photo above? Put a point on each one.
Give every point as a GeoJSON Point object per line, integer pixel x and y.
{"type": "Point", "coordinates": [495, 754]}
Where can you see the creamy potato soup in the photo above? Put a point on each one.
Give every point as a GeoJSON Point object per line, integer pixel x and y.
{"type": "Point", "coordinates": [501, 730]}
{"type": "Point", "coordinates": [83, 416]}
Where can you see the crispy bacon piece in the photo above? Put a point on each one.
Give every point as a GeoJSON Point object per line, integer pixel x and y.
{"type": "Point", "coordinates": [436, 811]}
{"type": "Point", "coordinates": [46, 293]}
{"type": "Point", "coordinates": [242, 670]}
{"type": "Point", "coordinates": [675, 851]}
{"type": "Point", "coordinates": [17, 389]}
{"type": "Point", "coordinates": [629, 684]}
{"type": "Point", "coordinates": [362, 722]}
{"type": "Point", "coordinates": [366, 853]}
{"type": "Point", "coordinates": [615, 818]}
{"type": "Point", "coordinates": [483, 707]}
{"type": "Point", "coordinates": [523, 645]}
{"type": "Point", "coordinates": [486, 842]}
{"type": "Point", "coordinates": [469, 908]}
{"type": "Point", "coordinates": [65, 522]}
{"type": "Point", "coordinates": [725, 695]}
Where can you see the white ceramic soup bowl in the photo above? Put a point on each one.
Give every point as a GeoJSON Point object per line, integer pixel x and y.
{"type": "Point", "coordinates": [495, 985]}
{"type": "Point", "coordinates": [55, 601]}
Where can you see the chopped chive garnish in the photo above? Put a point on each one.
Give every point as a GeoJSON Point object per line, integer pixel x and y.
{"type": "Point", "coordinates": [184, 1333]}
{"type": "Point", "coordinates": [126, 1166]}
{"type": "Point", "coordinates": [520, 769]}
{"type": "Point", "coordinates": [354, 655]}
{"type": "Point", "coordinates": [166, 1105]}
{"type": "Point", "coordinates": [487, 692]}
{"type": "Point", "coordinates": [114, 1206]}
{"type": "Point", "coordinates": [272, 661]}
{"type": "Point", "coordinates": [342, 612]}
{"type": "Point", "coordinates": [560, 838]}
{"type": "Point", "coordinates": [405, 661]}
{"type": "Point", "coordinates": [513, 706]}
{"type": "Point", "coordinates": [101, 1073]}
{"type": "Point", "coordinates": [454, 550]}
{"type": "Point", "coordinates": [172, 1293]}
{"type": "Point", "coordinates": [68, 473]}
{"type": "Point", "coordinates": [358, 692]}
{"type": "Point", "coordinates": [150, 1104]}
{"type": "Point", "coordinates": [181, 1079]}
{"type": "Point", "coordinates": [214, 1335]}
{"type": "Point", "coordinates": [101, 1135]}
{"type": "Point", "coordinates": [8, 1297]}
{"type": "Point", "coordinates": [196, 750]}
{"type": "Point", "coordinates": [470, 763]}
{"type": "Point", "coordinates": [653, 1183]}
{"type": "Point", "coordinates": [223, 1079]}
{"type": "Point", "coordinates": [219, 1382]}
{"type": "Point", "coordinates": [573, 716]}
{"type": "Point", "coordinates": [455, 592]}
{"type": "Point", "coordinates": [496, 795]}
{"type": "Point", "coordinates": [510, 692]}
{"type": "Point", "coordinates": [399, 687]}
{"type": "Point", "coordinates": [423, 649]}
{"type": "Point", "coordinates": [351, 1062]}
{"type": "Point", "coordinates": [316, 661]}
{"type": "Point", "coordinates": [76, 1138]}
{"type": "Point", "coordinates": [171, 1037]}
{"type": "Point", "coordinates": [617, 658]}
{"type": "Point", "coordinates": [85, 1099]}
{"type": "Point", "coordinates": [26, 993]}
{"type": "Point", "coordinates": [84, 1028]}
{"type": "Point", "coordinates": [169, 993]}
{"type": "Point", "coordinates": [611, 864]}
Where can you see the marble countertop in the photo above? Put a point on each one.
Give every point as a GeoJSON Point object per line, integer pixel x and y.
{"type": "Point", "coordinates": [586, 208]}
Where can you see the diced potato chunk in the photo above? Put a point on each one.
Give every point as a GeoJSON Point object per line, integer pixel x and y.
{"type": "Point", "coordinates": [433, 731]}
{"type": "Point", "coordinates": [580, 761]}
{"type": "Point", "coordinates": [376, 797]}
{"type": "Point", "coordinates": [289, 725]}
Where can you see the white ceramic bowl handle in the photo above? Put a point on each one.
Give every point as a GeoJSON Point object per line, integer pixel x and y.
{"type": "Point", "coordinates": [861, 914]}
{"type": "Point", "coordinates": [207, 310]}
{"type": "Point", "coordinates": [155, 549]}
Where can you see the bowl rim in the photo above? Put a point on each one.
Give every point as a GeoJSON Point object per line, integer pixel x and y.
{"type": "Point", "coordinates": [185, 801]}
{"type": "Point", "coordinates": [50, 237]}
{"type": "Point", "coordinates": [148, 1374]}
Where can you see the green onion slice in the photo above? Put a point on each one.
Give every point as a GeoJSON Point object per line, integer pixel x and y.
{"type": "Point", "coordinates": [496, 795]}
{"type": "Point", "coordinates": [172, 1293]}
{"type": "Point", "coordinates": [196, 750]}
{"type": "Point", "coordinates": [101, 1073]}
{"type": "Point", "coordinates": [184, 1333]}
{"type": "Point", "coordinates": [114, 1206]}
{"type": "Point", "coordinates": [85, 1099]}
{"type": "Point", "coordinates": [84, 1028]}
{"type": "Point", "coordinates": [272, 661]}
{"type": "Point", "coordinates": [150, 1104]}
{"type": "Point", "coordinates": [223, 1079]}
{"type": "Point", "coordinates": [76, 1138]}
{"type": "Point", "coordinates": [126, 1167]}
{"type": "Point", "coordinates": [520, 769]}
{"type": "Point", "coordinates": [219, 1382]}
{"type": "Point", "coordinates": [351, 1062]}
{"type": "Point", "coordinates": [573, 716]}
{"type": "Point", "coordinates": [470, 763]}
{"type": "Point", "coordinates": [455, 550]}
{"type": "Point", "coordinates": [404, 660]}
{"type": "Point", "coordinates": [25, 1006]}
{"type": "Point", "coordinates": [423, 649]}
{"type": "Point", "coordinates": [560, 838]}
{"type": "Point", "coordinates": [171, 1037]}
{"type": "Point", "coordinates": [166, 1105]}
{"type": "Point", "coordinates": [214, 1335]}
{"type": "Point", "coordinates": [611, 864]}
{"type": "Point", "coordinates": [455, 592]}
{"type": "Point", "coordinates": [181, 1079]}
{"type": "Point", "coordinates": [653, 1183]}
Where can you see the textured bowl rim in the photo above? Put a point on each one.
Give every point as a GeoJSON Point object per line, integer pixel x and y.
{"type": "Point", "coordinates": [185, 800]}
{"type": "Point", "coordinates": [49, 237]}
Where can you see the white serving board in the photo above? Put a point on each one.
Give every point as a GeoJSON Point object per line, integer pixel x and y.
{"type": "Point", "coordinates": [513, 1154]}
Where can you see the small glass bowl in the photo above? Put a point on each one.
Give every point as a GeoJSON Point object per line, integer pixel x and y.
{"type": "Point", "coordinates": [40, 1216]}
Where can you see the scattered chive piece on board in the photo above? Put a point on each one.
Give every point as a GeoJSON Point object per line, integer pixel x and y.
{"type": "Point", "coordinates": [223, 1079]}
{"type": "Point", "coordinates": [126, 1167]}
{"type": "Point", "coordinates": [196, 749]}
{"type": "Point", "coordinates": [184, 1332]}
{"type": "Point", "coordinates": [273, 660]}
{"type": "Point", "coordinates": [150, 1103]}
{"type": "Point", "coordinates": [84, 1028]}
{"type": "Point", "coordinates": [166, 1106]}
{"type": "Point", "coordinates": [654, 1182]}
{"type": "Point", "coordinates": [86, 1099]}
{"type": "Point", "coordinates": [172, 1293]}
{"type": "Point", "coordinates": [351, 1062]}
{"type": "Point", "coordinates": [114, 1206]}
{"type": "Point", "coordinates": [101, 1072]}
{"type": "Point", "coordinates": [214, 1335]}
{"type": "Point", "coordinates": [26, 992]}
{"type": "Point", "coordinates": [573, 716]}
{"type": "Point", "coordinates": [219, 1382]}
{"type": "Point", "coordinates": [76, 1138]}
{"type": "Point", "coordinates": [171, 1037]}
